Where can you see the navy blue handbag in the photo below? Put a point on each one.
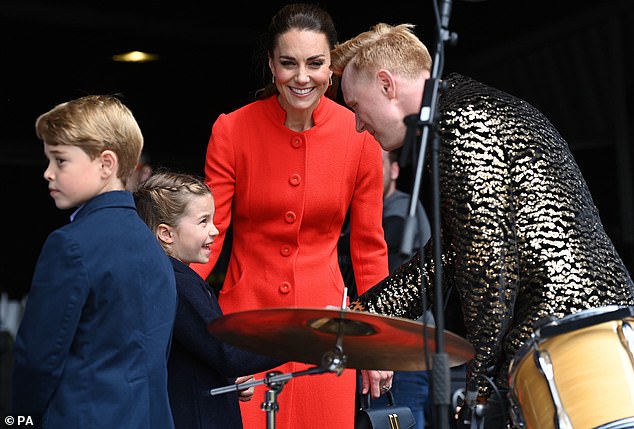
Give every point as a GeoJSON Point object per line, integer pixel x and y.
{"type": "Point", "coordinates": [391, 416]}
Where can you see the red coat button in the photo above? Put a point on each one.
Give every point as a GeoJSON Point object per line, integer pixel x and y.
{"type": "Point", "coordinates": [285, 287]}
{"type": "Point", "coordinates": [295, 179]}
{"type": "Point", "coordinates": [290, 217]}
{"type": "Point", "coordinates": [297, 141]}
{"type": "Point", "coordinates": [285, 251]}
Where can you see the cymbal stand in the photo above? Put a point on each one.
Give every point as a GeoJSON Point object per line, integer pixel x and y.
{"type": "Point", "coordinates": [332, 361]}
{"type": "Point", "coordinates": [270, 405]}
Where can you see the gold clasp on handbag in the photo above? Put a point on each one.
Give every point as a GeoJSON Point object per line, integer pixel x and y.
{"type": "Point", "coordinates": [394, 423]}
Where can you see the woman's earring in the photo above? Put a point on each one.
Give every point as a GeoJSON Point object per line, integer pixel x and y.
{"type": "Point", "coordinates": [273, 80]}
{"type": "Point", "coordinates": [330, 81]}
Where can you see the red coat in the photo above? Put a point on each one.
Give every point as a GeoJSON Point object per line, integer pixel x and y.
{"type": "Point", "coordinates": [287, 194]}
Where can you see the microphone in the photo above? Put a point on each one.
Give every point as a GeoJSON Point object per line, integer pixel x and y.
{"type": "Point", "coordinates": [445, 13]}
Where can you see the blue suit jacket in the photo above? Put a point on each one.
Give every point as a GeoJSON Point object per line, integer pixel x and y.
{"type": "Point", "coordinates": [91, 351]}
{"type": "Point", "coordinates": [199, 362]}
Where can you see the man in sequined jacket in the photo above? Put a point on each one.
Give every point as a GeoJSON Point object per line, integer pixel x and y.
{"type": "Point", "coordinates": [521, 237]}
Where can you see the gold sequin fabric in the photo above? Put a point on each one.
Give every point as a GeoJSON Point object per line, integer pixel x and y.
{"type": "Point", "coordinates": [521, 237]}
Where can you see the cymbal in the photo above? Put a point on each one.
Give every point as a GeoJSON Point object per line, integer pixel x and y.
{"type": "Point", "coordinates": [367, 340]}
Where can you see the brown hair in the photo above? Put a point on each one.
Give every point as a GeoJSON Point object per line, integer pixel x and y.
{"type": "Point", "coordinates": [297, 16]}
{"type": "Point", "coordinates": [164, 196]}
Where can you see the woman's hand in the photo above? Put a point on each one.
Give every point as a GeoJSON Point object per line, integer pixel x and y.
{"type": "Point", "coordinates": [376, 382]}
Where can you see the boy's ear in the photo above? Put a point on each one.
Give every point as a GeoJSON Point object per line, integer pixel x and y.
{"type": "Point", "coordinates": [109, 162]}
{"type": "Point", "coordinates": [164, 233]}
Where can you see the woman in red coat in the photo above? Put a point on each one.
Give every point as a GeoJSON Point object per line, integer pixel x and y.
{"type": "Point", "coordinates": [284, 170]}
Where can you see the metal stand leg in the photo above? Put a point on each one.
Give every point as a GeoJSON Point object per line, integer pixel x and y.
{"type": "Point", "coordinates": [270, 404]}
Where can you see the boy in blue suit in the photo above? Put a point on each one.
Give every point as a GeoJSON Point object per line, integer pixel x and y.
{"type": "Point", "coordinates": [91, 351]}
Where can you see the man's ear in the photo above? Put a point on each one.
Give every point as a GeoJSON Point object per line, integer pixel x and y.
{"type": "Point", "coordinates": [109, 163]}
{"type": "Point", "coordinates": [164, 233]}
{"type": "Point", "coordinates": [387, 83]}
{"type": "Point", "coordinates": [395, 170]}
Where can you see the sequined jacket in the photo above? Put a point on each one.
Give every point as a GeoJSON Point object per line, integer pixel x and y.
{"type": "Point", "coordinates": [521, 237]}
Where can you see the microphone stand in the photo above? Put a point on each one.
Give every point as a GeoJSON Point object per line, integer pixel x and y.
{"type": "Point", "coordinates": [427, 122]}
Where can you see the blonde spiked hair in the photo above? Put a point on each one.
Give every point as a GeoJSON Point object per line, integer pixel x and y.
{"type": "Point", "coordinates": [395, 48]}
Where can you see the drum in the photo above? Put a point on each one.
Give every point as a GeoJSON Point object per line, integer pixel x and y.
{"type": "Point", "coordinates": [576, 372]}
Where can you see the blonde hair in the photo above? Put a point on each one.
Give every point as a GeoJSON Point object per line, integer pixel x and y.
{"type": "Point", "coordinates": [395, 48]}
{"type": "Point", "coordinates": [164, 196]}
{"type": "Point", "coordinates": [94, 123]}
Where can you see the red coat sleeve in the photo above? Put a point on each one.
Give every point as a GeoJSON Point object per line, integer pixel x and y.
{"type": "Point", "coordinates": [220, 176]}
{"type": "Point", "coordinates": [367, 243]}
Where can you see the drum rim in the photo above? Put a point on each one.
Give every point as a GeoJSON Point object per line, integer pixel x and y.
{"type": "Point", "coordinates": [545, 329]}
{"type": "Point", "coordinates": [583, 319]}
{"type": "Point", "coordinates": [588, 312]}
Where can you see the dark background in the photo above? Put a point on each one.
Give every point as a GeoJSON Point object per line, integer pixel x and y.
{"type": "Point", "coordinates": [570, 58]}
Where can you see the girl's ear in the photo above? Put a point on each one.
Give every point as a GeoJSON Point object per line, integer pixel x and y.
{"type": "Point", "coordinates": [164, 233]}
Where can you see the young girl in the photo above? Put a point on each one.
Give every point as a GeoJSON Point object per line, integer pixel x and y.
{"type": "Point", "coordinates": [179, 210]}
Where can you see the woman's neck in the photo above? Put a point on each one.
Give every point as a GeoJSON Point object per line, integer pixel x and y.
{"type": "Point", "coordinates": [298, 119]}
